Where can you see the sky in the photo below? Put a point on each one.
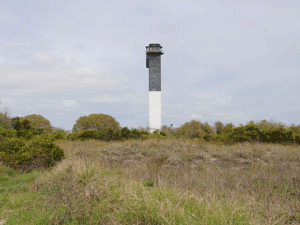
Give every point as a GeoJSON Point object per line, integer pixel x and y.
{"type": "Point", "coordinates": [225, 60]}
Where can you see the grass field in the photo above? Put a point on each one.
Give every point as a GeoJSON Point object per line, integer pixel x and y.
{"type": "Point", "coordinates": [157, 182]}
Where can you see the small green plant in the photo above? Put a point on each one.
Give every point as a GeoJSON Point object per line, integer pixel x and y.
{"type": "Point", "coordinates": [149, 183]}
{"type": "Point", "coordinates": [144, 136]}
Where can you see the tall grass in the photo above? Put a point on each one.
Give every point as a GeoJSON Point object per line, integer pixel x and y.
{"type": "Point", "coordinates": [162, 182]}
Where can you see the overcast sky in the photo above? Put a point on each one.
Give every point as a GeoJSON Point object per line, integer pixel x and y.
{"type": "Point", "coordinates": [227, 60]}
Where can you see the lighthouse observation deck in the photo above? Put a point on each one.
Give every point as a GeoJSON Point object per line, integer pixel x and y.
{"type": "Point", "coordinates": [154, 49]}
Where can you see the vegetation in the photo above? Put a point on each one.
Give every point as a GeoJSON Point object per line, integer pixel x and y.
{"type": "Point", "coordinates": [194, 174]}
{"type": "Point", "coordinates": [219, 127]}
{"type": "Point", "coordinates": [38, 153]}
{"type": "Point", "coordinates": [38, 122]}
{"type": "Point", "coordinates": [95, 122]}
{"type": "Point", "coordinates": [158, 182]}
{"type": "Point", "coordinates": [263, 131]}
{"type": "Point", "coordinates": [105, 128]}
{"type": "Point", "coordinates": [27, 143]}
{"type": "Point", "coordinates": [5, 120]}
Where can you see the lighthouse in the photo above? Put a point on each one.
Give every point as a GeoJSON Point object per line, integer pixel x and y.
{"type": "Point", "coordinates": [153, 63]}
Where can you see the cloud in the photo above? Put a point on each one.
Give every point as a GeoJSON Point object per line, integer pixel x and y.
{"type": "Point", "coordinates": [106, 99]}
{"type": "Point", "coordinates": [213, 99]}
{"type": "Point", "coordinates": [224, 60]}
{"type": "Point", "coordinates": [70, 103]}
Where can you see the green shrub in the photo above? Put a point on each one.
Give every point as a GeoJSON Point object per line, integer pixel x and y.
{"type": "Point", "coordinates": [95, 122]}
{"type": "Point", "coordinates": [196, 129]}
{"type": "Point", "coordinates": [169, 131]}
{"type": "Point", "coordinates": [23, 128]}
{"type": "Point", "coordinates": [104, 134]}
{"type": "Point", "coordinates": [72, 136]}
{"type": "Point", "coordinates": [135, 133]}
{"type": "Point", "coordinates": [108, 134]}
{"type": "Point", "coordinates": [4, 132]}
{"type": "Point", "coordinates": [219, 127]}
{"type": "Point", "coordinates": [125, 133]}
{"type": "Point", "coordinates": [231, 135]}
{"type": "Point", "coordinates": [207, 133]}
{"type": "Point", "coordinates": [38, 123]}
{"type": "Point", "coordinates": [157, 134]}
{"type": "Point", "coordinates": [278, 134]}
{"type": "Point", "coordinates": [144, 136]}
{"type": "Point", "coordinates": [189, 129]}
{"type": "Point", "coordinates": [252, 130]}
{"type": "Point", "coordinates": [60, 134]}
{"type": "Point", "coordinates": [41, 152]}
{"type": "Point", "coordinates": [87, 134]}
{"type": "Point", "coordinates": [149, 183]}
{"type": "Point", "coordinates": [5, 120]}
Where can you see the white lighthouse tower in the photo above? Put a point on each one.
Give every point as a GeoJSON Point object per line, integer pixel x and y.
{"type": "Point", "coordinates": [153, 62]}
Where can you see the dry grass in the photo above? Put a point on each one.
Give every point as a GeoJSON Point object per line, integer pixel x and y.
{"type": "Point", "coordinates": [172, 182]}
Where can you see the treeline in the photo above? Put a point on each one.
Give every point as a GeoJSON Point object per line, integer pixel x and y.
{"type": "Point", "coordinates": [92, 127]}
{"type": "Point", "coordinates": [28, 142]}
{"type": "Point", "coordinates": [263, 131]}
{"type": "Point", "coordinates": [105, 127]}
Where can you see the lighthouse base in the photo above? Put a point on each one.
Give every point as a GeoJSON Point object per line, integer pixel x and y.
{"type": "Point", "coordinates": [154, 110]}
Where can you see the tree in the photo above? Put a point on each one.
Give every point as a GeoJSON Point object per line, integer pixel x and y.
{"type": "Point", "coordinates": [4, 120]}
{"type": "Point", "coordinates": [190, 129]}
{"type": "Point", "coordinates": [169, 131]}
{"type": "Point", "coordinates": [207, 132]}
{"type": "Point", "coordinates": [96, 122]}
{"type": "Point", "coordinates": [125, 133]}
{"type": "Point", "coordinates": [229, 125]}
{"type": "Point", "coordinates": [252, 130]}
{"type": "Point", "coordinates": [23, 128]}
{"type": "Point", "coordinates": [219, 127]}
{"type": "Point", "coordinates": [38, 122]}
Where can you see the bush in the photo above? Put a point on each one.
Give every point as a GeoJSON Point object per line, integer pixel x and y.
{"type": "Point", "coordinates": [135, 133]}
{"type": "Point", "coordinates": [38, 122]}
{"type": "Point", "coordinates": [39, 153]}
{"type": "Point", "coordinates": [157, 134]}
{"type": "Point", "coordinates": [219, 127]}
{"type": "Point", "coordinates": [88, 134]}
{"type": "Point", "coordinates": [144, 136]}
{"type": "Point", "coordinates": [252, 130]}
{"type": "Point", "coordinates": [23, 128]}
{"type": "Point", "coordinates": [95, 122]}
{"type": "Point", "coordinates": [207, 132]}
{"type": "Point", "coordinates": [196, 129]}
{"type": "Point", "coordinates": [125, 133]}
{"type": "Point", "coordinates": [60, 134]}
{"type": "Point", "coordinates": [5, 120]}
{"type": "Point", "coordinates": [108, 134]}
{"type": "Point", "coordinates": [72, 136]}
{"type": "Point", "coordinates": [278, 134]}
{"type": "Point", "coordinates": [190, 129]}
{"type": "Point", "coordinates": [231, 135]}
{"type": "Point", "coordinates": [7, 132]}
{"type": "Point", "coordinates": [169, 131]}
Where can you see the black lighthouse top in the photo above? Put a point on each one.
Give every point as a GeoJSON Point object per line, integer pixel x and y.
{"type": "Point", "coordinates": [153, 62]}
{"type": "Point", "coordinates": [154, 49]}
